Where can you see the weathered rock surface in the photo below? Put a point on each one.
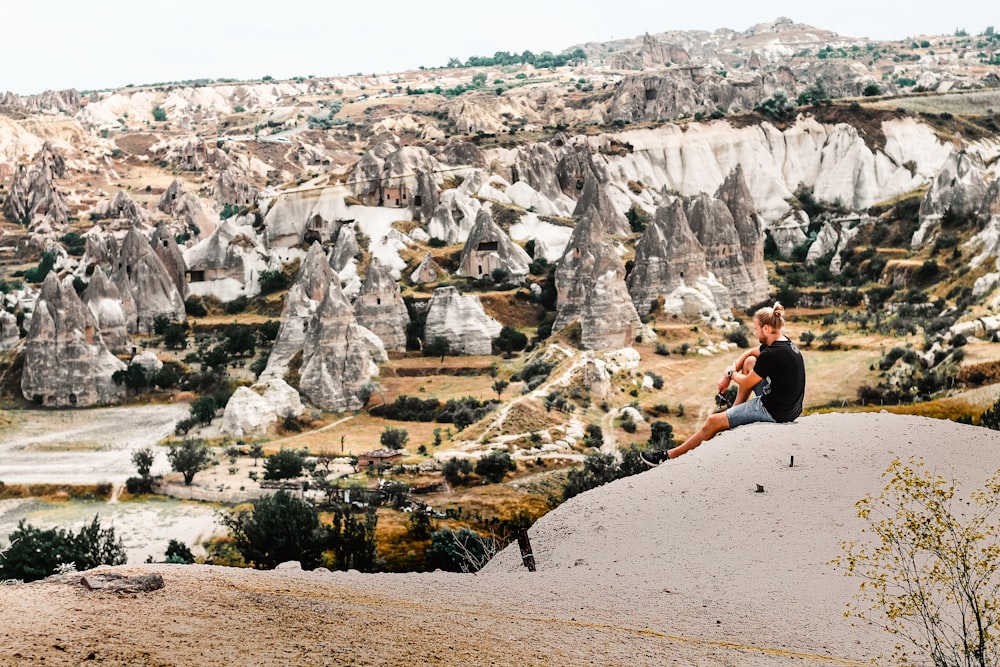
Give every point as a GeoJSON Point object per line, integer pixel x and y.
{"type": "Point", "coordinates": [33, 199]}
{"type": "Point", "coordinates": [233, 189]}
{"type": "Point", "coordinates": [253, 410]}
{"type": "Point", "coordinates": [380, 308]}
{"type": "Point", "coordinates": [227, 264]}
{"type": "Point", "coordinates": [735, 194]}
{"type": "Point", "coordinates": [104, 301]}
{"type": "Point", "coordinates": [461, 320]}
{"type": "Point", "coordinates": [143, 280]}
{"type": "Point", "coordinates": [337, 359]}
{"type": "Point", "coordinates": [594, 196]}
{"type": "Point", "coordinates": [121, 211]}
{"type": "Point", "coordinates": [301, 303]}
{"type": "Point", "coordinates": [10, 333]}
{"type": "Point", "coordinates": [489, 248]}
{"type": "Point", "coordinates": [957, 192]}
{"type": "Point", "coordinates": [166, 248]}
{"type": "Point", "coordinates": [66, 362]}
{"type": "Point", "coordinates": [427, 271]}
{"type": "Point", "coordinates": [715, 229]}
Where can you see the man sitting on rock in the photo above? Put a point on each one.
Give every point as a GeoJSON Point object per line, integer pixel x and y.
{"type": "Point", "coordinates": [776, 366]}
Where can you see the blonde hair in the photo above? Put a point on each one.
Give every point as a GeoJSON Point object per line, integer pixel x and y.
{"type": "Point", "coordinates": [772, 316]}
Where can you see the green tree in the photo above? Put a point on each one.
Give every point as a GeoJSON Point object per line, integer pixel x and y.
{"type": "Point", "coordinates": [203, 409]}
{"type": "Point", "coordinates": [872, 90]}
{"type": "Point", "coordinates": [159, 114]}
{"type": "Point", "coordinates": [510, 340]}
{"type": "Point", "coordinates": [593, 436]}
{"type": "Point", "coordinates": [35, 553]}
{"type": "Point", "coordinates": [456, 471]}
{"type": "Point", "coordinates": [495, 465]}
{"type": "Point", "coordinates": [438, 347]}
{"type": "Point", "coordinates": [188, 457]}
{"type": "Point", "coordinates": [142, 459]}
{"type": "Point", "coordinates": [932, 572]}
{"type": "Point", "coordinates": [353, 539]}
{"type": "Point", "coordinates": [661, 435]}
{"type": "Point", "coordinates": [394, 438]}
{"type": "Point", "coordinates": [133, 377]}
{"type": "Point", "coordinates": [279, 528]}
{"type": "Point", "coordinates": [178, 552]}
{"type": "Point", "coordinates": [499, 386]}
{"type": "Point", "coordinates": [284, 464]}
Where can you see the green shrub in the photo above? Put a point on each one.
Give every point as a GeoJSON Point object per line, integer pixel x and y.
{"type": "Point", "coordinates": [35, 553]}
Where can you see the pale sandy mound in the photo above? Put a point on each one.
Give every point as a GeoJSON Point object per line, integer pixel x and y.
{"type": "Point", "coordinates": [685, 564]}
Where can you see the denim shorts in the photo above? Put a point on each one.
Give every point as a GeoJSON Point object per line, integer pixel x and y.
{"type": "Point", "coordinates": [748, 412]}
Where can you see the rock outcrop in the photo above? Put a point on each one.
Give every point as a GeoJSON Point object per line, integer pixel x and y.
{"type": "Point", "coordinates": [122, 211]}
{"type": "Point", "coordinates": [379, 307]}
{"type": "Point", "coordinates": [145, 285]}
{"type": "Point", "coordinates": [227, 264]}
{"type": "Point", "coordinates": [10, 333]}
{"type": "Point", "coordinates": [105, 302]}
{"type": "Point", "coordinates": [594, 196]}
{"type": "Point", "coordinates": [735, 194]}
{"type": "Point", "coordinates": [33, 199]}
{"type": "Point", "coordinates": [301, 303]}
{"type": "Point", "coordinates": [956, 193]}
{"type": "Point", "coordinates": [715, 229]}
{"type": "Point", "coordinates": [461, 320]}
{"type": "Point", "coordinates": [337, 356]}
{"type": "Point", "coordinates": [489, 248]}
{"type": "Point", "coordinates": [427, 271]}
{"type": "Point", "coordinates": [166, 248]}
{"type": "Point", "coordinates": [233, 189]}
{"type": "Point", "coordinates": [66, 362]}
{"type": "Point", "coordinates": [251, 411]}
{"type": "Point", "coordinates": [591, 289]}
{"type": "Point", "coordinates": [670, 266]}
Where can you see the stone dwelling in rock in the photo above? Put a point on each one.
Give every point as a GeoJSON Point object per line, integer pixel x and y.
{"type": "Point", "coordinates": [489, 248]}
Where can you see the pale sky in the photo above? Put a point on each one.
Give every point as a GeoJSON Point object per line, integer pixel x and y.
{"type": "Point", "coordinates": [57, 44]}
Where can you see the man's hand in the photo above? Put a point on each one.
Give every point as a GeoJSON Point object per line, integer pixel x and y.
{"type": "Point", "coordinates": [725, 380]}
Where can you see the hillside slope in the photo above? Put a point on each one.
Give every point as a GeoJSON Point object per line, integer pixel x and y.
{"type": "Point", "coordinates": [684, 564]}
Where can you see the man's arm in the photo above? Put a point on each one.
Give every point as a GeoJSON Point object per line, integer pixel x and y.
{"type": "Point", "coordinates": [737, 368]}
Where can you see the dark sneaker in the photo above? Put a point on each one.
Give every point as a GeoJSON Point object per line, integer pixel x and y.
{"type": "Point", "coordinates": [653, 458]}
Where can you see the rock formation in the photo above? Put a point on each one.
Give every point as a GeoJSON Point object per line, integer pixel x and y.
{"type": "Point", "coordinates": [10, 333]}
{"type": "Point", "coordinates": [104, 301]}
{"type": "Point", "coordinates": [301, 303]}
{"type": "Point", "coordinates": [461, 320]}
{"type": "Point", "coordinates": [956, 193]}
{"type": "Point", "coordinates": [33, 199]}
{"type": "Point", "coordinates": [670, 265]}
{"type": "Point", "coordinates": [122, 210]}
{"type": "Point", "coordinates": [337, 359]}
{"type": "Point", "coordinates": [735, 194]}
{"type": "Point", "coordinates": [489, 248]}
{"type": "Point", "coordinates": [142, 280]}
{"type": "Point", "coordinates": [593, 196]}
{"type": "Point", "coordinates": [227, 264]}
{"type": "Point", "coordinates": [233, 189]}
{"type": "Point", "coordinates": [715, 229]}
{"type": "Point", "coordinates": [165, 247]}
{"type": "Point", "coordinates": [251, 411]}
{"type": "Point", "coordinates": [66, 363]}
{"type": "Point", "coordinates": [427, 271]}
{"type": "Point", "coordinates": [380, 308]}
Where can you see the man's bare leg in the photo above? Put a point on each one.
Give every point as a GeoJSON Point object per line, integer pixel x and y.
{"type": "Point", "coordinates": [714, 424]}
{"type": "Point", "coordinates": [743, 394]}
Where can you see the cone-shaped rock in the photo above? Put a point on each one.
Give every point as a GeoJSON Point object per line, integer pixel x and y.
{"type": "Point", "coordinates": [380, 308]}
{"type": "Point", "coordinates": [227, 264]}
{"type": "Point", "coordinates": [336, 359]}
{"type": "Point", "coordinates": [105, 302]}
{"type": "Point", "coordinates": [594, 196]}
{"type": "Point", "coordinates": [427, 271]}
{"type": "Point", "coordinates": [66, 362]}
{"type": "Point", "coordinates": [956, 192]}
{"type": "Point", "coordinates": [735, 193]}
{"type": "Point", "coordinates": [489, 248]}
{"type": "Point", "coordinates": [713, 225]}
{"type": "Point", "coordinates": [303, 299]}
{"type": "Point", "coordinates": [170, 254]}
{"type": "Point", "coordinates": [667, 256]}
{"type": "Point", "coordinates": [138, 273]}
{"type": "Point", "coordinates": [461, 320]}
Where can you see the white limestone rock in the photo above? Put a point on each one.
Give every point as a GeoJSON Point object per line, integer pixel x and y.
{"type": "Point", "coordinates": [461, 320]}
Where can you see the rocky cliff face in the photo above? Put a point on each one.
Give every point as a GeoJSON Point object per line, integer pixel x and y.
{"type": "Point", "coordinates": [143, 280]}
{"type": "Point", "coordinates": [251, 411]}
{"type": "Point", "coordinates": [956, 193]}
{"type": "Point", "coordinates": [594, 196]}
{"type": "Point", "coordinates": [735, 194]}
{"type": "Point", "coordinates": [337, 360]}
{"type": "Point", "coordinates": [166, 248]}
{"type": "Point", "coordinates": [713, 226]}
{"type": "Point", "coordinates": [121, 210]}
{"type": "Point", "coordinates": [461, 320]}
{"type": "Point", "coordinates": [380, 308]}
{"type": "Point", "coordinates": [66, 362]}
{"type": "Point", "coordinates": [10, 333]}
{"type": "Point", "coordinates": [104, 301]}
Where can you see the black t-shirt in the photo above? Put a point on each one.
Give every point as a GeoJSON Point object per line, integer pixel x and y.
{"type": "Point", "coordinates": [781, 366]}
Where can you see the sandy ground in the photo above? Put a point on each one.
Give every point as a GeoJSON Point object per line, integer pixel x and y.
{"type": "Point", "coordinates": [684, 564]}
